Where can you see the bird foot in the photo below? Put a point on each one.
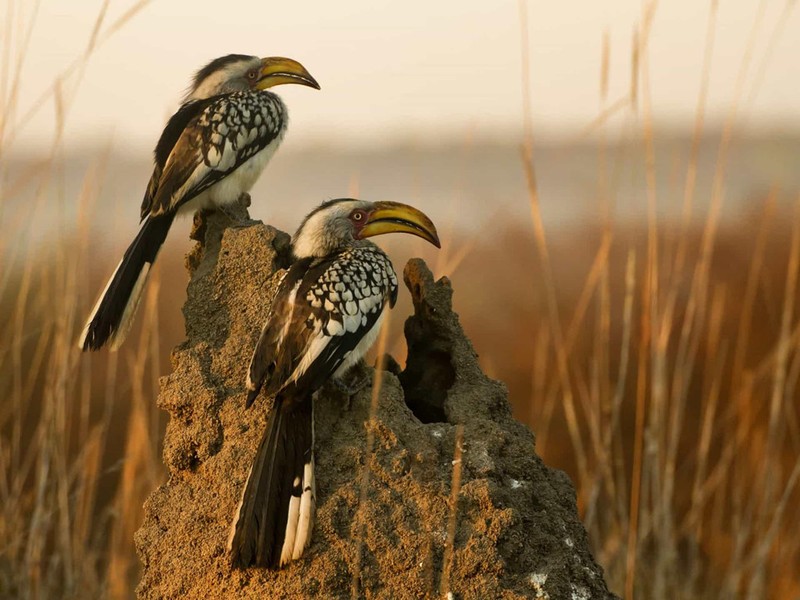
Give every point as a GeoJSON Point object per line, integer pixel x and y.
{"type": "Point", "coordinates": [352, 387]}
{"type": "Point", "coordinates": [245, 200]}
{"type": "Point", "coordinates": [199, 226]}
{"type": "Point", "coordinates": [237, 211]}
{"type": "Point", "coordinates": [355, 380]}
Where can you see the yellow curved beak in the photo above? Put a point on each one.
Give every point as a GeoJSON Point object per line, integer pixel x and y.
{"type": "Point", "coordinates": [276, 70]}
{"type": "Point", "coordinates": [393, 217]}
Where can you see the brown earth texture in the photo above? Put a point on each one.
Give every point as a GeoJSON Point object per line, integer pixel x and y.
{"type": "Point", "coordinates": [428, 488]}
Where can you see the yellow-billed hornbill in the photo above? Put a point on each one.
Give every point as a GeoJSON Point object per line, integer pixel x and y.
{"type": "Point", "coordinates": [210, 153]}
{"type": "Point", "coordinates": [325, 316]}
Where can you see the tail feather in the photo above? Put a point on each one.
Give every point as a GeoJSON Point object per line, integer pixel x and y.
{"type": "Point", "coordinates": [305, 517]}
{"type": "Point", "coordinates": [113, 312]}
{"type": "Point", "coordinates": [275, 516]}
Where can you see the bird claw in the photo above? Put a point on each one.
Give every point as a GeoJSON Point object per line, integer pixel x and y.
{"type": "Point", "coordinates": [245, 200]}
{"type": "Point", "coordinates": [351, 389]}
{"type": "Point", "coordinates": [355, 380]}
{"type": "Point", "coordinates": [237, 212]}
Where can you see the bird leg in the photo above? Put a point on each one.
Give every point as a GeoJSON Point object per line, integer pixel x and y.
{"type": "Point", "coordinates": [355, 380]}
{"type": "Point", "coordinates": [245, 200]}
{"type": "Point", "coordinates": [199, 226]}
{"type": "Point", "coordinates": [351, 388]}
{"type": "Point", "coordinates": [237, 211]}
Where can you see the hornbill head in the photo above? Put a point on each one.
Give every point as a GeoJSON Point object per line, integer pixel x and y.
{"type": "Point", "coordinates": [339, 224]}
{"type": "Point", "coordinates": [238, 73]}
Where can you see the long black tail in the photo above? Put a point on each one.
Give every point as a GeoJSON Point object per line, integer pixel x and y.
{"type": "Point", "coordinates": [276, 514]}
{"type": "Point", "coordinates": [113, 313]}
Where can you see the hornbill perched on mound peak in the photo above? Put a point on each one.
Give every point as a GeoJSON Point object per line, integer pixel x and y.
{"type": "Point", "coordinates": [210, 153]}
{"type": "Point", "coordinates": [325, 316]}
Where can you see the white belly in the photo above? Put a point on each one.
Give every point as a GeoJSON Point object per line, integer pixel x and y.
{"type": "Point", "coordinates": [362, 347]}
{"type": "Point", "coordinates": [227, 190]}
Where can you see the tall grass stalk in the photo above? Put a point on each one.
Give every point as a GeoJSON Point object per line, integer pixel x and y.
{"type": "Point", "coordinates": [679, 463]}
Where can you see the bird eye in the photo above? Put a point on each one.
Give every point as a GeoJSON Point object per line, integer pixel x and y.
{"type": "Point", "coordinates": [252, 74]}
{"type": "Point", "coordinates": [358, 215]}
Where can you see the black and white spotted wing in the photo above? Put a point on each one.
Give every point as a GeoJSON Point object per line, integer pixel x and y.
{"type": "Point", "coordinates": [166, 143]}
{"type": "Point", "coordinates": [322, 311]}
{"type": "Point", "coordinates": [207, 141]}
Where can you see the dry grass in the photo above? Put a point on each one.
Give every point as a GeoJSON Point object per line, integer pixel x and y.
{"type": "Point", "coordinates": [364, 475]}
{"type": "Point", "coordinates": [718, 406]}
{"type": "Point", "coordinates": [78, 450]}
{"type": "Point", "coordinates": [658, 364]}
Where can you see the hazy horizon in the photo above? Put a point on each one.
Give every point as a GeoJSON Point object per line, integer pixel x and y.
{"type": "Point", "coordinates": [413, 73]}
{"type": "Point", "coordinates": [467, 184]}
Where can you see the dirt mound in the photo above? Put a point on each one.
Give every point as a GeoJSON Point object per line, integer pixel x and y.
{"type": "Point", "coordinates": [451, 497]}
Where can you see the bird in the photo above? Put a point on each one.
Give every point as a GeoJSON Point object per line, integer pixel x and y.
{"type": "Point", "coordinates": [325, 315]}
{"type": "Point", "coordinates": [210, 153]}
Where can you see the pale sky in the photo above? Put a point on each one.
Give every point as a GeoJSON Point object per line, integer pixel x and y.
{"type": "Point", "coordinates": [414, 70]}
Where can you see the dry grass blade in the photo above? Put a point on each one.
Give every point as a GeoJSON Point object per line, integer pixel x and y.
{"type": "Point", "coordinates": [76, 67]}
{"type": "Point", "coordinates": [605, 60]}
{"type": "Point", "coordinates": [649, 293]}
{"type": "Point", "coordinates": [605, 115]}
{"type": "Point", "coordinates": [773, 38]}
{"type": "Point", "coordinates": [452, 521]}
{"type": "Point", "coordinates": [697, 136]}
{"type": "Point", "coordinates": [358, 526]}
{"type": "Point", "coordinates": [129, 14]}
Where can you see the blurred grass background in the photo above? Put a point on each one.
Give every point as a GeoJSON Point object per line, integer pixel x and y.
{"type": "Point", "coordinates": [634, 286]}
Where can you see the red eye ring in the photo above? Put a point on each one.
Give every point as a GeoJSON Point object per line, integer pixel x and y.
{"type": "Point", "coordinates": [357, 215]}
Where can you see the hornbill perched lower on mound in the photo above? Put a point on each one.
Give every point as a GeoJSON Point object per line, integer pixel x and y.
{"type": "Point", "coordinates": [210, 153]}
{"type": "Point", "coordinates": [325, 316]}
